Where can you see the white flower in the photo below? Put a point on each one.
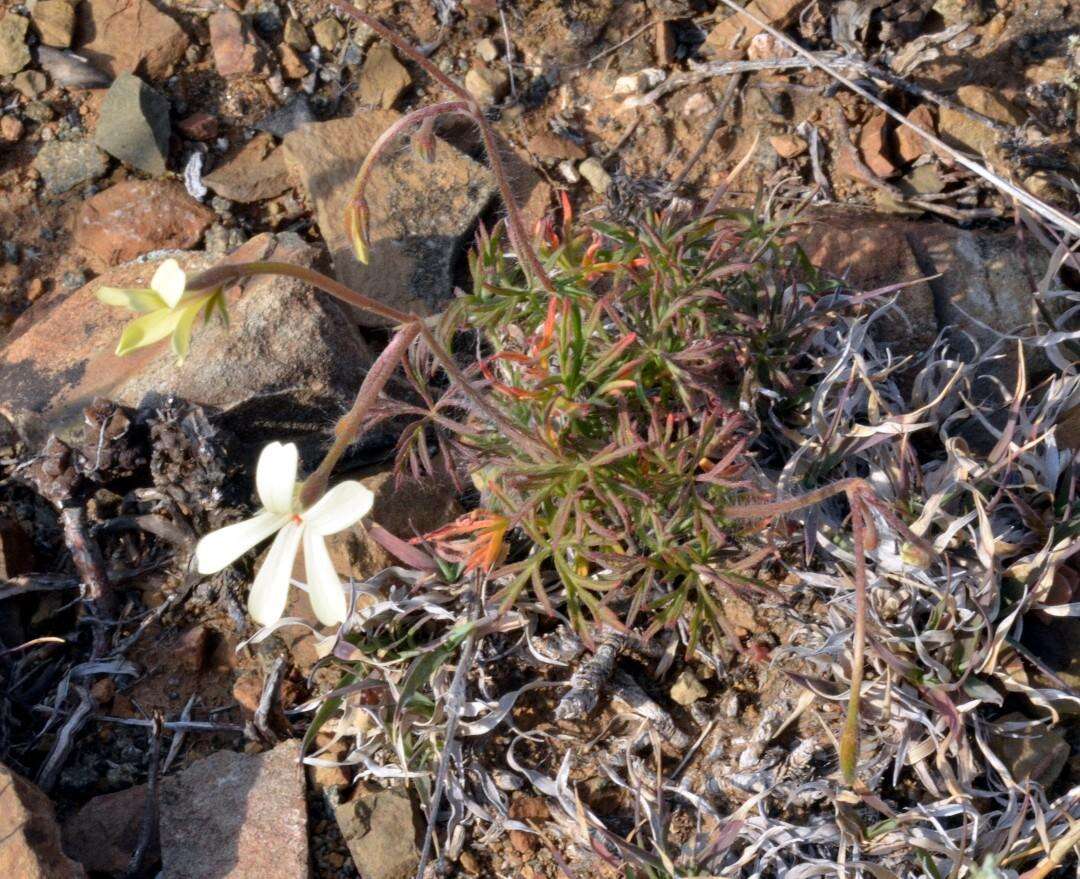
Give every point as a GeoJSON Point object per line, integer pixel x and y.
{"type": "Point", "coordinates": [275, 482]}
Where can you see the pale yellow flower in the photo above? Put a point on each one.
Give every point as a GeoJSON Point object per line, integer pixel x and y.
{"type": "Point", "coordinates": [167, 307]}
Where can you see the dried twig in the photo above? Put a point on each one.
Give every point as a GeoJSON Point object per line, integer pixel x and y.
{"type": "Point", "coordinates": [149, 824]}
{"type": "Point", "coordinates": [589, 678]}
{"type": "Point", "coordinates": [65, 739]}
{"type": "Point", "coordinates": [268, 701]}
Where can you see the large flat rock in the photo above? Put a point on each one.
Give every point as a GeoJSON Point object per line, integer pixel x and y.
{"type": "Point", "coordinates": [290, 361]}
{"type": "Point", "coordinates": [236, 816]}
{"type": "Point", "coordinates": [421, 213]}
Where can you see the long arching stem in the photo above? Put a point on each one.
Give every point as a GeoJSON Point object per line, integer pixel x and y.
{"type": "Point", "coordinates": [410, 326]}
{"type": "Point", "coordinates": [518, 236]}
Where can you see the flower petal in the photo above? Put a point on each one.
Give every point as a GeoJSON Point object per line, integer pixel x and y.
{"type": "Point", "coordinates": [146, 330]}
{"type": "Point", "coordinates": [221, 548]}
{"type": "Point", "coordinates": [140, 300]}
{"type": "Point", "coordinates": [181, 337]}
{"type": "Point", "coordinates": [324, 585]}
{"type": "Point", "coordinates": [275, 476]}
{"type": "Point", "coordinates": [269, 592]}
{"type": "Point", "coordinates": [169, 281]}
{"type": "Point", "coordinates": [345, 504]}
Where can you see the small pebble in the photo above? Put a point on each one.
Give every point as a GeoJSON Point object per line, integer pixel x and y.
{"type": "Point", "coordinates": [74, 279]}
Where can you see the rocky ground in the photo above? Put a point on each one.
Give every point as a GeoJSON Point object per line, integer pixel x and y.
{"type": "Point", "coordinates": [131, 130]}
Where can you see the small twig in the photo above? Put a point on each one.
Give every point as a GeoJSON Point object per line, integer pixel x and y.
{"type": "Point", "coordinates": [175, 533]}
{"type": "Point", "coordinates": [28, 583]}
{"type": "Point", "coordinates": [178, 737]}
{"type": "Point", "coordinates": [589, 678]}
{"type": "Point", "coordinates": [65, 740]}
{"type": "Point", "coordinates": [35, 642]}
{"type": "Point", "coordinates": [509, 51]}
{"type": "Point", "coordinates": [710, 133]}
{"type": "Point", "coordinates": [90, 565]}
{"type": "Point", "coordinates": [149, 824]}
{"type": "Point", "coordinates": [198, 726]}
{"type": "Point", "coordinates": [268, 701]}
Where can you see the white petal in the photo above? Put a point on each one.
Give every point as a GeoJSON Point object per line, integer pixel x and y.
{"type": "Point", "coordinates": [266, 603]}
{"type": "Point", "coordinates": [275, 476]}
{"type": "Point", "coordinates": [169, 282]}
{"type": "Point", "coordinates": [221, 548]}
{"type": "Point", "coordinates": [324, 586]}
{"type": "Point", "coordinates": [339, 508]}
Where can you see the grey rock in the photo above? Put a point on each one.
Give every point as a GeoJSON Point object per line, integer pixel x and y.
{"type": "Point", "coordinates": [134, 124]}
{"type": "Point", "coordinates": [63, 165]}
{"type": "Point", "coordinates": [236, 815]}
{"type": "Point", "coordinates": [381, 830]}
{"type": "Point", "coordinates": [14, 53]}
{"type": "Point", "coordinates": [288, 117]}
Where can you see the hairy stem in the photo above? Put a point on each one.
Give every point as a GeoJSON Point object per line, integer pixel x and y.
{"type": "Point", "coordinates": [411, 325]}
{"type": "Point", "coordinates": [518, 236]}
{"type": "Point", "coordinates": [230, 273]}
{"type": "Point", "coordinates": [849, 741]}
{"type": "Point", "coordinates": [348, 428]}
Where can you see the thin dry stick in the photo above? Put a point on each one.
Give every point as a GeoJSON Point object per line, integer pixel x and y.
{"type": "Point", "coordinates": [148, 826]}
{"type": "Point", "coordinates": [1049, 213]}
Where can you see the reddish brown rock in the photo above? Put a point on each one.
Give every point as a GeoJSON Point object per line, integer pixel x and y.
{"type": "Point", "coordinates": [199, 126]}
{"type": "Point", "coordinates": [874, 145]}
{"type": "Point", "coordinates": [254, 172]}
{"type": "Point", "coordinates": [909, 145]}
{"type": "Point", "coordinates": [1068, 431]}
{"type": "Point", "coordinates": [236, 815]}
{"type": "Point", "coordinates": [190, 649]}
{"type": "Point", "coordinates": [29, 838]}
{"type": "Point", "coordinates": [129, 36]}
{"type": "Point", "coordinates": [547, 145]}
{"type": "Point", "coordinates": [292, 65]}
{"type": "Point", "coordinates": [140, 216]}
{"type": "Point", "coordinates": [420, 211]}
{"type": "Point", "coordinates": [731, 37]}
{"type": "Point", "coordinates": [59, 355]}
{"type": "Point", "coordinates": [102, 835]}
{"type": "Point", "coordinates": [982, 280]}
{"type": "Point", "coordinates": [237, 50]}
{"type": "Point", "coordinates": [788, 146]}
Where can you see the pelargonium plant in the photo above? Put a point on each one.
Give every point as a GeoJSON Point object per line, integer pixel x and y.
{"type": "Point", "coordinates": [622, 372]}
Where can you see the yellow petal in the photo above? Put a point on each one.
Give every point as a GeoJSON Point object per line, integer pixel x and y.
{"type": "Point", "coordinates": [148, 329]}
{"type": "Point", "coordinates": [181, 337]}
{"type": "Point", "coordinates": [169, 281]}
{"type": "Point", "coordinates": [137, 299]}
